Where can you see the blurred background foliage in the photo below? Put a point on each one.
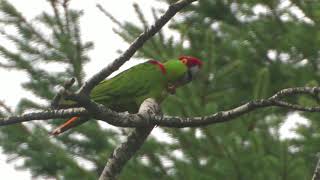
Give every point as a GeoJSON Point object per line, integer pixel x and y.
{"type": "Point", "coordinates": [251, 50]}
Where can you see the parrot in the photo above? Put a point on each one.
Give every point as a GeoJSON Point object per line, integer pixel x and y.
{"type": "Point", "coordinates": [151, 79]}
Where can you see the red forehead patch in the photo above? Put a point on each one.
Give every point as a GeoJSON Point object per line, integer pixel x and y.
{"type": "Point", "coordinates": [191, 61]}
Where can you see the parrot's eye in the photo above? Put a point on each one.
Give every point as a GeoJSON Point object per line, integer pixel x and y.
{"type": "Point", "coordinates": [184, 61]}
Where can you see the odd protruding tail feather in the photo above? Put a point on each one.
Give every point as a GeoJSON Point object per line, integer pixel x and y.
{"type": "Point", "coordinates": [65, 126]}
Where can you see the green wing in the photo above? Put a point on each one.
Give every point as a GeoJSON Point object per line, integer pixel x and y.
{"type": "Point", "coordinates": [127, 90]}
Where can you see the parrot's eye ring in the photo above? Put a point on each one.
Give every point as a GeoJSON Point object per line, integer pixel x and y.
{"type": "Point", "coordinates": [184, 61]}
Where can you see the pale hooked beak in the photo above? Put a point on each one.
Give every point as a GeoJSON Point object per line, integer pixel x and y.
{"type": "Point", "coordinates": [194, 71]}
{"type": "Point", "coordinates": [190, 75]}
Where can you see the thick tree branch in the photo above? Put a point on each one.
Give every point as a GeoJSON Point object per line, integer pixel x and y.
{"type": "Point", "coordinates": [137, 44]}
{"type": "Point", "coordinates": [100, 112]}
{"type": "Point", "coordinates": [127, 149]}
{"type": "Point", "coordinates": [138, 120]}
{"type": "Point", "coordinates": [44, 115]}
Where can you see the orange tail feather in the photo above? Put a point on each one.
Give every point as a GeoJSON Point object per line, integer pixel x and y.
{"type": "Point", "coordinates": [64, 126]}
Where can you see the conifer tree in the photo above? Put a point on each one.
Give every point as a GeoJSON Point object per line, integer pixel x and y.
{"type": "Point", "coordinates": [250, 54]}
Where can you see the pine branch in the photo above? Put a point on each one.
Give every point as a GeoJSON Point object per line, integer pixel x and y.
{"type": "Point", "coordinates": [160, 33]}
{"type": "Point", "coordinates": [66, 15]}
{"type": "Point", "coordinates": [108, 15]}
{"type": "Point", "coordinates": [5, 107]}
{"type": "Point", "coordinates": [137, 44]}
{"type": "Point", "coordinates": [54, 4]}
{"type": "Point", "coordinates": [141, 16]}
{"type": "Point", "coordinates": [78, 55]}
{"type": "Point", "coordinates": [40, 37]}
{"type": "Point", "coordinates": [127, 149]}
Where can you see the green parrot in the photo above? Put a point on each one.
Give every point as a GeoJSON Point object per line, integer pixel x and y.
{"type": "Point", "coordinates": [152, 79]}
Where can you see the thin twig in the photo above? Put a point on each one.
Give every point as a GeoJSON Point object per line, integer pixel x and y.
{"type": "Point", "coordinates": [108, 15]}
{"type": "Point", "coordinates": [141, 16]}
{"type": "Point", "coordinates": [57, 98]}
{"type": "Point", "coordinates": [224, 116]}
{"type": "Point", "coordinates": [5, 107]}
{"type": "Point", "coordinates": [7, 66]}
{"type": "Point", "coordinates": [66, 14]}
{"type": "Point", "coordinates": [54, 4]}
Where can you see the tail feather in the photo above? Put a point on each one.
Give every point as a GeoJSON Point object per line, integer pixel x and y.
{"type": "Point", "coordinates": [65, 126]}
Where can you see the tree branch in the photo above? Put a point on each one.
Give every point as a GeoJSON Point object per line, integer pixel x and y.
{"type": "Point", "coordinates": [224, 116]}
{"type": "Point", "coordinates": [55, 103]}
{"type": "Point", "coordinates": [44, 115]}
{"type": "Point", "coordinates": [316, 174]}
{"type": "Point", "coordinates": [107, 14]}
{"type": "Point", "coordinates": [127, 149]}
{"type": "Point", "coordinates": [100, 112]}
{"type": "Point", "coordinates": [5, 107]}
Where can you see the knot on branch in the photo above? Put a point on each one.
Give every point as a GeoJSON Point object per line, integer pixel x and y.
{"type": "Point", "coordinates": [55, 103]}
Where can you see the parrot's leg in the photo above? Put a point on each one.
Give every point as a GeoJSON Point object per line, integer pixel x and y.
{"type": "Point", "coordinates": [71, 123]}
{"type": "Point", "coordinates": [171, 89]}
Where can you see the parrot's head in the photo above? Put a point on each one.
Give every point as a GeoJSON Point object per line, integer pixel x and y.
{"type": "Point", "coordinates": [193, 64]}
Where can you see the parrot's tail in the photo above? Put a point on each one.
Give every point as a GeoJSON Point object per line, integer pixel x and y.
{"type": "Point", "coordinates": [65, 126]}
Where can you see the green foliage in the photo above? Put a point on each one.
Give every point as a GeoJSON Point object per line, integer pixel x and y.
{"type": "Point", "coordinates": [248, 55]}
{"type": "Point", "coordinates": [34, 51]}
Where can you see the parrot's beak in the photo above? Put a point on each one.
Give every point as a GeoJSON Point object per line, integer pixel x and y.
{"type": "Point", "coordinates": [194, 71]}
{"type": "Point", "coordinates": [189, 76]}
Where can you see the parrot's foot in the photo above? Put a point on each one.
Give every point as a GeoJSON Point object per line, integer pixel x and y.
{"type": "Point", "coordinates": [171, 89]}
